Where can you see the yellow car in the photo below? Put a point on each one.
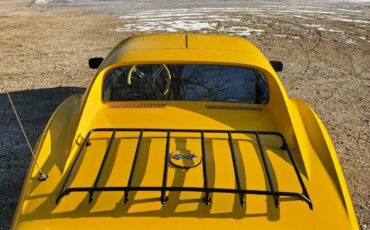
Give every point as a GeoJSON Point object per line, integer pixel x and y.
{"type": "Point", "coordinates": [185, 131]}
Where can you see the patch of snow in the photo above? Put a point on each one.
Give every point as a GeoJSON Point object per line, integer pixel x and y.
{"type": "Point", "coordinates": [175, 20]}
{"type": "Point", "coordinates": [321, 28]}
{"type": "Point", "coordinates": [351, 20]}
{"type": "Point", "coordinates": [299, 16]}
{"type": "Point", "coordinates": [190, 25]}
{"type": "Point", "coordinates": [41, 1]}
{"type": "Point", "coordinates": [350, 41]}
{"type": "Point", "coordinates": [329, 30]}
{"type": "Point", "coordinates": [350, 11]}
{"type": "Point", "coordinates": [172, 26]}
{"type": "Point", "coordinates": [161, 16]}
{"type": "Point", "coordinates": [241, 31]}
{"type": "Point", "coordinates": [49, 1]}
{"type": "Point", "coordinates": [307, 12]}
{"type": "Point", "coordinates": [280, 35]}
{"type": "Point", "coordinates": [312, 25]}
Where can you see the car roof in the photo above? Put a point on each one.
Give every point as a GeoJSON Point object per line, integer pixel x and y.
{"type": "Point", "coordinates": [186, 48]}
{"type": "Point", "coordinates": [188, 41]}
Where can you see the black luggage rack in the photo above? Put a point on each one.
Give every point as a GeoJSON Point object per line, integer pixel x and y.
{"type": "Point", "coordinates": [205, 189]}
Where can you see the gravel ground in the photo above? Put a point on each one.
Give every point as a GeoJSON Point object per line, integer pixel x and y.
{"type": "Point", "coordinates": [45, 48]}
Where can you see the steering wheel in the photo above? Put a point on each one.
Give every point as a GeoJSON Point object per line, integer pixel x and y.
{"type": "Point", "coordinates": [141, 74]}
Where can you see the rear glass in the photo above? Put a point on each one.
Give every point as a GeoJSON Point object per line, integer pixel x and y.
{"type": "Point", "coordinates": [186, 83]}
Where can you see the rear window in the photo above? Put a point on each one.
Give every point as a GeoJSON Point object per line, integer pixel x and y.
{"type": "Point", "coordinates": [186, 83]}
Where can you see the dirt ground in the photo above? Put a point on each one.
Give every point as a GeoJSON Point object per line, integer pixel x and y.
{"type": "Point", "coordinates": [44, 57]}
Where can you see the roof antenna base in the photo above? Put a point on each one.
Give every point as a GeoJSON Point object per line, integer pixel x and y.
{"type": "Point", "coordinates": [43, 176]}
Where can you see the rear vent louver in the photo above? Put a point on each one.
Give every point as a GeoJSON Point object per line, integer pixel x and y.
{"type": "Point", "coordinates": [136, 106]}
{"type": "Point", "coordinates": [234, 107]}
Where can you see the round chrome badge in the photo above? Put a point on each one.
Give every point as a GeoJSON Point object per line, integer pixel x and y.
{"type": "Point", "coordinates": [185, 160]}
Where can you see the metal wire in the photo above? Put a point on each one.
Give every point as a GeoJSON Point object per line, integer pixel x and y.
{"type": "Point", "coordinates": [43, 176]}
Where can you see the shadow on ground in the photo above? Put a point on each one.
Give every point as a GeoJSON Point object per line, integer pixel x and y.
{"type": "Point", "coordinates": [34, 108]}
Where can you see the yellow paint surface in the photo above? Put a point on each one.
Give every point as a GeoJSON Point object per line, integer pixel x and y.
{"type": "Point", "coordinates": [310, 144]}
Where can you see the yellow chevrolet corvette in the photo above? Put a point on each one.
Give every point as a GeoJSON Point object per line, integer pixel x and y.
{"type": "Point", "coordinates": [185, 131]}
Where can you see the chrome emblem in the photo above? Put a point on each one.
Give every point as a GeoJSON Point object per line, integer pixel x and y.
{"type": "Point", "coordinates": [179, 156]}
{"type": "Point", "coordinates": [185, 160]}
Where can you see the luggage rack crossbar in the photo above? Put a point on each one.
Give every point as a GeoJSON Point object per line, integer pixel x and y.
{"type": "Point", "coordinates": [65, 190]}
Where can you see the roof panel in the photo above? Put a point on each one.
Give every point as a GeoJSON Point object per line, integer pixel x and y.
{"type": "Point", "coordinates": [220, 42]}
{"type": "Point", "coordinates": [160, 41]}
{"type": "Point", "coordinates": [187, 48]}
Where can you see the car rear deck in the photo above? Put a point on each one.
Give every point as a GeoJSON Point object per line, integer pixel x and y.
{"type": "Point", "coordinates": [122, 175]}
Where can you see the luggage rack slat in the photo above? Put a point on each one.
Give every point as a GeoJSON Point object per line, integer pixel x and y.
{"type": "Point", "coordinates": [65, 190]}
{"type": "Point", "coordinates": [236, 170]}
{"type": "Point", "coordinates": [206, 198]}
{"type": "Point", "coordinates": [97, 179]}
{"type": "Point", "coordinates": [304, 190]}
{"type": "Point", "coordinates": [134, 162]}
{"type": "Point", "coordinates": [267, 169]}
{"type": "Point", "coordinates": [164, 198]}
{"type": "Point", "coordinates": [79, 153]}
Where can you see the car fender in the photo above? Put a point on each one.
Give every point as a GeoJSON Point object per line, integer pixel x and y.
{"type": "Point", "coordinates": [319, 140]}
{"type": "Point", "coordinates": [52, 146]}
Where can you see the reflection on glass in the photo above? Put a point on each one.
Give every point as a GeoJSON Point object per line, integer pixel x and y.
{"type": "Point", "coordinates": [186, 83]}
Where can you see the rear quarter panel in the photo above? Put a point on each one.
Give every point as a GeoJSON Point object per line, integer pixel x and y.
{"type": "Point", "coordinates": [315, 136]}
{"type": "Point", "coordinates": [52, 147]}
